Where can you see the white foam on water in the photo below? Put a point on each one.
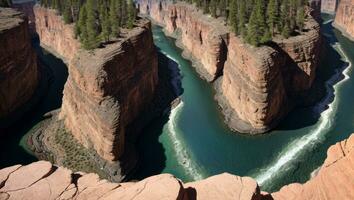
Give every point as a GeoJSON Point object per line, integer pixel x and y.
{"type": "Point", "coordinates": [307, 141]}
{"type": "Point", "coordinates": [182, 155]}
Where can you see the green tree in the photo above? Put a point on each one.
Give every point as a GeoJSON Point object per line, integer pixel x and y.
{"type": "Point", "coordinates": [300, 18]}
{"type": "Point", "coordinates": [253, 35]}
{"type": "Point", "coordinates": [105, 23]}
{"type": "Point", "coordinates": [113, 18]}
{"type": "Point", "coordinates": [67, 15]}
{"type": "Point", "coordinates": [92, 32]}
{"type": "Point", "coordinates": [233, 19]}
{"type": "Point", "coordinates": [205, 6]}
{"type": "Point", "coordinates": [213, 7]}
{"type": "Point", "coordinates": [131, 14]}
{"type": "Point", "coordinates": [82, 27]}
{"type": "Point", "coordinates": [286, 31]}
{"type": "Point", "coordinates": [272, 15]}
{"type": "Point", "coordinates": [5, 3]}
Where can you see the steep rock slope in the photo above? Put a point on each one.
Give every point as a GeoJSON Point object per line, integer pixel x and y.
{"type": "Point", "coordinates": [344, 20]}
{"type": "Point", "coordinates": [42, 180]}
{"type": "Point", "coordinates": [258, 86]}
{"type": "Point", "coordinates": [106, 89]}
{"type": "Point", "coordinates": [329, 6]}
{"type": "Point", "coordinates": [19, 74]}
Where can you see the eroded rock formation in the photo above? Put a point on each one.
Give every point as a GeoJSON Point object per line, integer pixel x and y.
{"type": "Point", "coordinates": [19, 74]}
{"type": "Point", "coordinates": [256, 87]}
{"type": "Point", "coordinates": [42, 181]}
{"type": "Point", "coordinates": [107, 89]}
{"type": "Point", "coordinates": [329, 6]}
{"type": "Point", "coordinates": [344, 20]}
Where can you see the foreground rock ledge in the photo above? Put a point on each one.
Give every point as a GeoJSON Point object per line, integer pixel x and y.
{"type": "Point", "coordinates": [42, 180]}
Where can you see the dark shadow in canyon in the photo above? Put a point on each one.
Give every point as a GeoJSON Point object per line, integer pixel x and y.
{"type": "Point", "coordinates": [152, 158]}
{"type": "Point", "coordinates": [49, 96]}
{"type": "Point", "coordinates": [331, 61]}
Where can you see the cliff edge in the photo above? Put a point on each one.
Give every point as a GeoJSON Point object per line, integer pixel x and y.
{"type": "Point", "coordinates": [43, 181]}
{"type": "Point", "coordinates": [19, 74]}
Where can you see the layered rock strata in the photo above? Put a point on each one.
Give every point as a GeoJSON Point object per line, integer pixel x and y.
{"type": "Point", "coordinates": [344, 19]}
{"type": "Point", "coordinates": [19, 74]}
{"type": "Point", "coordinates": [107, 89]}
{"type": "Point", "coordinates": [329, 6]}
{"type": "Point", "coordinates": [42, 180]}
{"type": "Point", "coordinates": [256, 87]}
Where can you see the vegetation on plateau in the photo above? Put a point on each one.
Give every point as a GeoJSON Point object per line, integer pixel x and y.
{"type": "Point", "coordinates": [258, 21]}
{"type": "Point", "coordinates": [96, 21]}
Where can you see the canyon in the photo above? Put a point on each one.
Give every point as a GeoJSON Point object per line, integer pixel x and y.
{"type": "Point", "coordinates": [19, 70]}
{"type": "Point", "coordinates": [344, 18]}
{"type": "Point", "coordinates": [256, 87]}
{"type": "Point", "coordinates": [111, 92]}
{"type": "Point", "coordinates": [42, 180]}
{"type": "Point", "coordinates": [329, 6]}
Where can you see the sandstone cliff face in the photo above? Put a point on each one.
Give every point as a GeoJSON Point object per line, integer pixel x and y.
{"type": "Point", "coordinates": [344, 20]}
{"type": "Point", "coordinates": [54, 34]}
{"type": "Point", "coordinates": [42, 181]}
{"type": "Point", "coordinates": [18, 63]}
{"type": "Point", "coordinates": [106, 89]}
{"type": "Point", "coordinates": [258, 86]}
{"type": "Point", "coordinates": [329, 6]}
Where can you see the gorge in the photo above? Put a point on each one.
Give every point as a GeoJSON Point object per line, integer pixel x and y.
{"type": "Point", "coordinates": [172, 143]}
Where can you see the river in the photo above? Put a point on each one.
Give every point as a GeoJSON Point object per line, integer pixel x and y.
{"type": "Point", "coordinates": [193, 142]}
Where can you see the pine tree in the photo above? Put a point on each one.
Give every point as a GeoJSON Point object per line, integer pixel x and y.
{"type": "Point", "coordinates": [5, 3]}
{"type": "Point", "coordinates": [222, 7]}
{"type": "Point", "coordinates": [286, 31]}
{"type": "Point", "coordinates": [213, 8]}
{"type": "Point", "coordinates": [272, 15]}
{"type": "Point", "coordinates": [131, 14]}
{"type": "Point", "coordinates": [67, 13]}
{"type": "Point", "coordinates": [105, 23]}
{"type": "Point", "coordinates": [82, 27]}
{"type": "Point", "coordinates": [253, 35]}
{"type": "Point", "coordinates": [92, 31]}
{"type": "Point", "coordinates": [233, 19]}
{"type": "Point", "coordinates": [242, 18]}
{"type": "Point", "coordinates": [300, 18]}
{"type": "Point", "coordinates": [113, 18]}
{"type": "Point", "coordinates": [205, 6]}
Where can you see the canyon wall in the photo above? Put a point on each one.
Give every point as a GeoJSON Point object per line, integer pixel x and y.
{"type": "Point", "coordinates": [19, 74]}
{"type": "Point", "coordinates": [256, 87]}
{"type": "Point", "coordinates": [344, 19]}
{"type": "Point", "coordinates": [108, 88]}
{"type": "Point", "coordinates": [42, 180]}
{"type": "Point", "coordinates": [329, 6]}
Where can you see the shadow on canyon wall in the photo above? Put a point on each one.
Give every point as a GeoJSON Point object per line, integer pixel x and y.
{"type": "Point", "coordinates": [152, 157]}
{"type": "Point", "coordinates": [331, 61]}
{"type": "Point", "coordinates": [53, 73]}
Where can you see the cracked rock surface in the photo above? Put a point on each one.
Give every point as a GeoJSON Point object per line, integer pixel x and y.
{"type": "Point", "coordinates": [43, 181]}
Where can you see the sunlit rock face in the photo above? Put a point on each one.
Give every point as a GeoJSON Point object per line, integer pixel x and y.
{"type": "Point", "coordinates": [329, 6]}
{"type": "Point", "coordinates": [256, 87]}
{"type": "Point", "coordinates": [107, 89]}
{"type": "Point", "coordinates": [344, 20]}
{"type": "Point", "coordinates": [42, 180]}
{"type": "Point", "coordinates": [19, 74]}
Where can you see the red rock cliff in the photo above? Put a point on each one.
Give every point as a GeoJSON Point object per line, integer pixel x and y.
{"type": "Point", "coordinates": [41, 180]}
{"type": "Point", "coordinates": [258, 86]}
{"type": "Point", "coordinates": [344, 20]}
{"type": "Point", "coordinates": [106, 89]}
{"type": "Point", "coordinates": [18, 62]}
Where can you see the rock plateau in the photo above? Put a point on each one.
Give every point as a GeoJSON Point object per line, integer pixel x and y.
{"type": "Point", "coordinates": [107, 89]}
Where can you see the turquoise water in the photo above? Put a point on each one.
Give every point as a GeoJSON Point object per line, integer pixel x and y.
{"type": "Point", "coordinates": [194, 143]}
